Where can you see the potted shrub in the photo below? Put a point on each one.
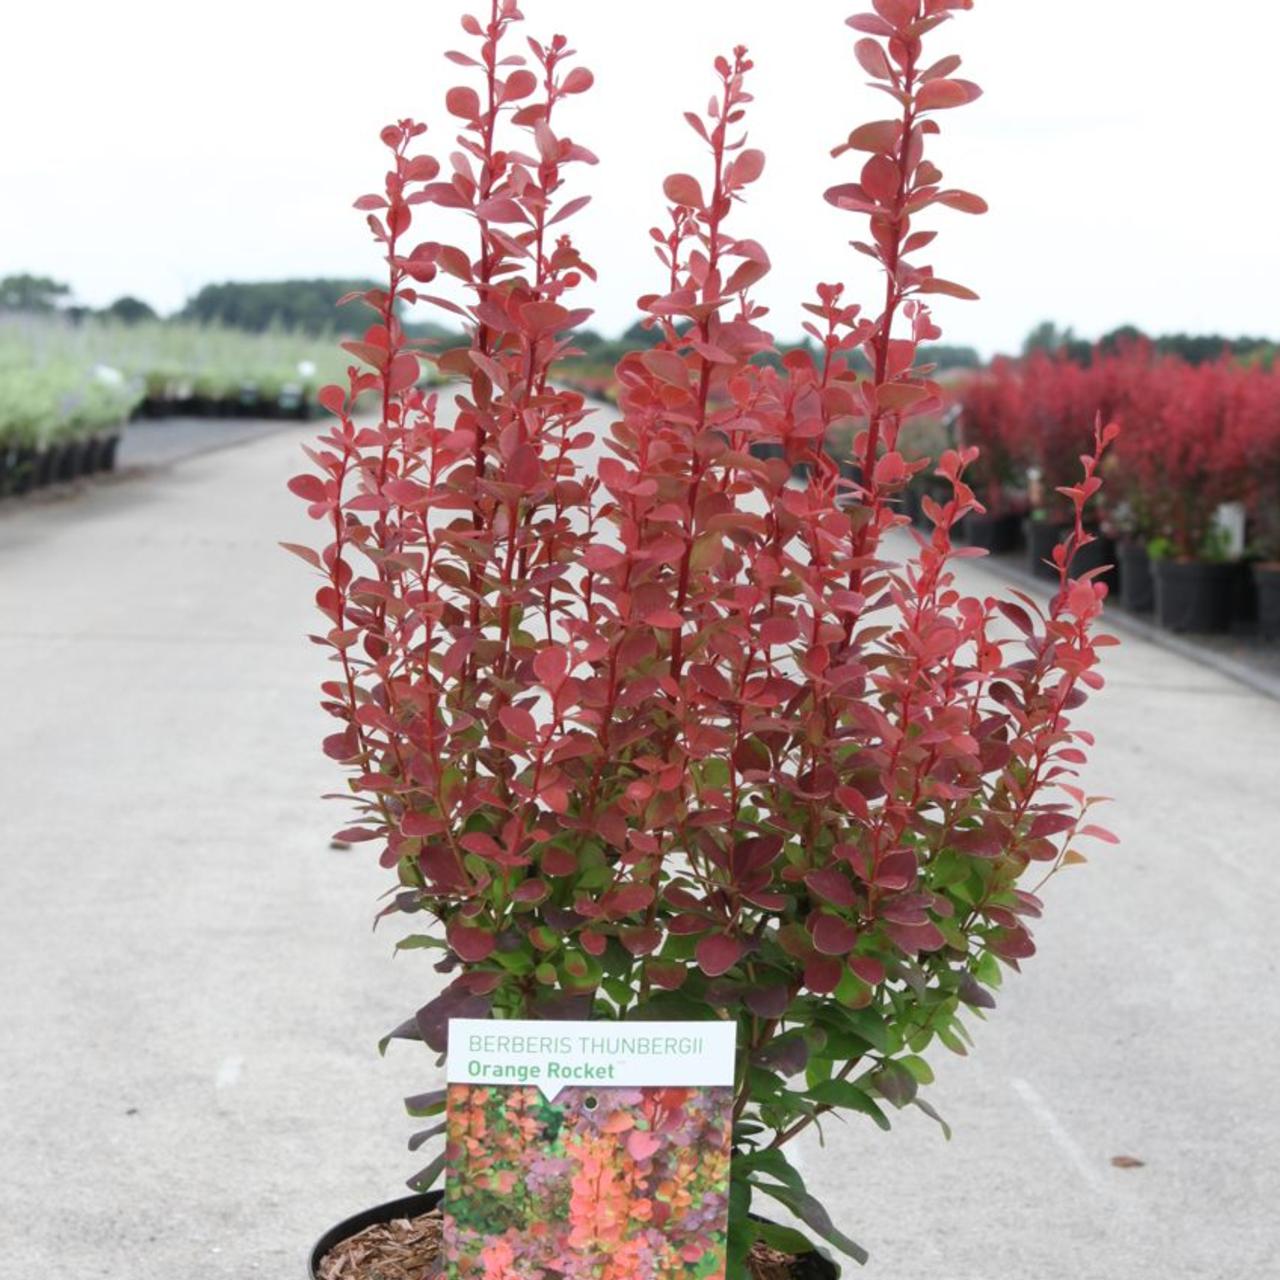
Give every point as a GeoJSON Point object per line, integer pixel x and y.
{"type": "Point", "coordinates": [655, 733]}
{"type": "Point", "coordinates": [1058, 396]}
{"type": "Point", "coordinates": [991, 420]}
{"type": "Point", "coordinates": [1025, 416]}
{"type": "Point", "coordinates": [30, 400]}
{"type": "Point", "coordinates": [1192, 460]}
{"type": "Point", "coordinates": [1264, 506]}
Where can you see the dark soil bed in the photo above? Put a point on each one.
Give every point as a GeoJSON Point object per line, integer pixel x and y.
{"type": "Point", "coordinates": [411, 1249]}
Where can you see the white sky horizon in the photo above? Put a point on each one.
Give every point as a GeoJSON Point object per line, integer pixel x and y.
{"type": "Point", "coordinates": [150, 152]}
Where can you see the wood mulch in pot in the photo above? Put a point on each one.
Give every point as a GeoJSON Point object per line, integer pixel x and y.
{"type": "Point", "coordinates": [412, 1249]}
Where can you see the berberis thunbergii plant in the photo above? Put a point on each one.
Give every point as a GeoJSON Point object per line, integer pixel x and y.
{"type": "Point", "coordinates": [649, 728]}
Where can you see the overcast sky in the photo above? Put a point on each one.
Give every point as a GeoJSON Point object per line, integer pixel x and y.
{"type": "Point", "coordinates": [1129, 158]}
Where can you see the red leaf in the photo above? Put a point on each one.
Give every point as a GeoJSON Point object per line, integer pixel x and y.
{"type": "Point", "coordinates": [831, 935]}
{"type": "Point", "coordinates": [871, 54]}
{"type": "Point", "coordinates": [470, 943]}
{"type": "Point", "coordinates": [667, 619]}
{"type": "Point", "coordinates": [1017, 615]}
{"type": "Point", "coordinates": [501, 209]}
{"type": "Point", "coordinates": [680, 188]}
{"type": "Point", "coordinates": [878, 135]}
{"type": "Point", "coordinates": [933, 284]}
{"type": "Point", "coordinates": [403, 492]}
{"type": "Point", "coordinates": [938, 95]}
{"type": "Point", "coordinates": [579, 80]}
{"type": "Point", "coordinates": [403, 372]}
{"type": "Point", "coordinates": [463, 102]}
{"type": "Point", "coordinates": [303, 553]}
{"type": "Point", "coordinates": [717, 953]}
{"type": "Point", "coordinates": [747, 167]}
{"type": "Point", "coordinates": [519, 84]}
{"type": "Point", "coordinates": [483, 845]}
{"type": "Point", "coordinates": [550, 665]}
{"type": "Point", "coordinates": [869, 23]}
{"type": "Point", "coordinates": [518, 723]}
{"type": "Point", "coordinates": [1100, 833]}
{"type": "Point", "coordinates": [310, 488]}
{"type": "Point", "coordinates": [543, 317]}
{"type": "Point", "coordinates": [880, 179]}
{"type": "Point", "coordinates": [599, 557]}
{"type": "Point", "coordinates": [822, 974]}
{"type": "Point", "coordinates": [964, 201]}
{"type": "Point", "coordinates": [333, 398]}
{"type": "Point", "coordinates": [342, 746]}
{"type": "Point", "coordinates": [900, 13]}
{"type": "Point", "coordinates": [1050, 824]}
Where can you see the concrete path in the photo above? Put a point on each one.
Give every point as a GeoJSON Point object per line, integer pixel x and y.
{"type": "Point", "coordinates": [190, 994]}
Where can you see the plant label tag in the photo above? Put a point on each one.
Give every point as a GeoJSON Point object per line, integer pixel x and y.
{"type": "Point", "coordinates": [585, 1149]}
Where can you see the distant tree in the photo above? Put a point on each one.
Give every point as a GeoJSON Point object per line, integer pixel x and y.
{"type": "Point", "coordinates": [441, 336]}
{"type": "Point", "coordinates": [1046, 336]}
{"type": "Point", "coordinates": [130, 310]}
{"type": "Point", "coordinates": [310, 306]}
{"type": "Point", "coordinates": [36, 294]}
{"type": "Point", "coordinates": [1203, 347]}
{"type": "Point", "coordinates": [638, 336]}
{"type": "Point", "coordinates": [1124, 336]}
{"type": "Point", "coordinates": [946, 356]}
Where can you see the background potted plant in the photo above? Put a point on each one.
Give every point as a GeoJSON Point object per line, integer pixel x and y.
{"type": "Point", "coordinates": [653, 731]}
{"type": "Point", "coordinates": [1025, 417]}
{"type": "Point", "coordinates": [991, 420]}
{"type": "Point", "coordinates": [1190, 460]}
{"type": "Point", "coordinates": [1264, 512]}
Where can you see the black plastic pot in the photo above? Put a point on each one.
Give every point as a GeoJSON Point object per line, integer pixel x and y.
{"type": "Point", "coordinates": [1137, 584]}
{"type": "Point", "coordinates": [1194, 595]}
{"type": "Point", "coordinates": [911, 507]}
{"type": "Point", "coordinates": [22, 469]}
{"type": "Point", "coordinates": [107, 452]}
{"type": "Point", "coordinates": [1244, 597]}
{"type": "Point", "coordinates": [811, 1266]}
{"type": "Point", "coordinates": [45, 467]}
{"type": "Point", "coordinates": [1042, 537]}
{"type": "Point", "coordinates": [1098, 554]}
{"type": "Point", "coordinates": [996, 534]}
{"type": "Point", "coordinates": [67, 466]}
{"type": "Point", "coordinates": [1266, 579]}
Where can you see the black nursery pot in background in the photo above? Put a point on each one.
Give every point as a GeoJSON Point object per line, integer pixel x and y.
{"type": "Point", "coordinates": [1244, 597]}
{"type": "Point", "coordinates": [1098, 554]}
{"type": "Point", "coordinates": [1266, 578]}
{"type": "Point", "coordinates": [1195, 595]}
{"type": "Point", "coordinates": [71, 459]}
{"type": "Point", "coordinates": [996, 534]}
{"type": "Point", "coordinates": [1042, 537]}
{"type": "Point", "coordinates": [107, 452]}
{"type": "Point", "coordinates": [810, 1266]}
{"type": "Point", "coordinates": [45, 467]}
{"type": "Point", "coordinates": [1137, 584]}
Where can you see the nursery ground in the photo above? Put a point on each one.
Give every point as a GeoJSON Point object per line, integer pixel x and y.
{"type": "Point", "coordinates": [191, 993]}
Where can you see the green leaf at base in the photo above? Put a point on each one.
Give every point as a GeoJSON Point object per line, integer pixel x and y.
{"type": "Point", "coordinates": [810, 1211]}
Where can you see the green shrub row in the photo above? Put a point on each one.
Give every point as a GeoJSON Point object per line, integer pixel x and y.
{"type": "Point", "coordinates": [61, 380]}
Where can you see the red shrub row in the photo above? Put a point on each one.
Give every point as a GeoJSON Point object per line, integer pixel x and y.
{"type": "Point", "coordinates": [1195, 436]}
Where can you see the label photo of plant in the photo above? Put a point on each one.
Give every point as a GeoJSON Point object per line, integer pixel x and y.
{"type": "Point", "coordinates": [607, 1183]}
